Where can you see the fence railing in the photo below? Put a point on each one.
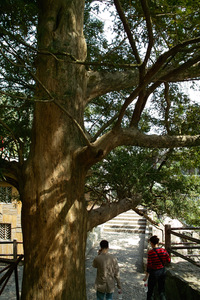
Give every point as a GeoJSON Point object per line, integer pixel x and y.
{"type": "Point", "coordinates": [11, 266]}
{"type": "Point", "coordinates": [14, 253]}
{"type": "Point", "coordinates": [193, 244]}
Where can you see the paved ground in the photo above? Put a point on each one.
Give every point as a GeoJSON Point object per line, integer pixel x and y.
{"type": "Point", "coordinates": [128, 249]}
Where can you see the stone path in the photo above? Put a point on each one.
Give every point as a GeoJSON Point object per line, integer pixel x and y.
{"type": "Point", "coordinates": [128, 248]}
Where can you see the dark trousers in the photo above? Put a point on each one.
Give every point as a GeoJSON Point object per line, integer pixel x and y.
{"type": "Point", "coordinates": [156, 276]}
{"type": "Point", "coordinates": [100, 296]}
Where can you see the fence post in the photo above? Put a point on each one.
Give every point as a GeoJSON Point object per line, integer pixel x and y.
{"type": "Point", "coordinates": [15, 249]}
{"type": "Point", "coordinates": [15, 271]}
{"type": "Point", "coordinates": [168, 238]}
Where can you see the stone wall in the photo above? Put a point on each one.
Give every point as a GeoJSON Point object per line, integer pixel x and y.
{"type": "Point", "coordinates": [93, 238]}
{"type": "Point", "coordinates": [179, 289]}
{"type": "Point", "coordinates": [176, 288]}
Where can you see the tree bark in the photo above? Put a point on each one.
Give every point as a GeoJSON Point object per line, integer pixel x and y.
{"type": "Point", "coordinates": [54, 215]}
{"type": "Point", "coordinates": [54, 223]}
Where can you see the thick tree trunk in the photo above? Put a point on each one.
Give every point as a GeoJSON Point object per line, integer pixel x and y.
{"type": "Point", "coordinates": [54, 216]}
{"type": "Point", "coordinates": [54, 229]}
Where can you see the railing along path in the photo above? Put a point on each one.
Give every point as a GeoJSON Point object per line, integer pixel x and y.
{"type": "Point", "coordinates": [11, 267]}
{"type": "Point", "coordinates": [192, 245]}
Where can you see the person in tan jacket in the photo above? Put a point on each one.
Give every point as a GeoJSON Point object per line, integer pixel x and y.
{"type": "Point", "coordinates": [107, 272]}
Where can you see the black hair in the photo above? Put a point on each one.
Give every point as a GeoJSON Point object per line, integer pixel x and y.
{"type": "Point", "coordinates": [154, 239]}
{"type": "Point", "coordinates": [104, 244]}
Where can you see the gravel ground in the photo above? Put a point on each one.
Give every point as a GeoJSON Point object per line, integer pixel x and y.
{"type": "Point", "coordinates": [128, 249]}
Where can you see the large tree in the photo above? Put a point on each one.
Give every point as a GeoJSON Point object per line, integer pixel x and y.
{"type": "Point", "coordinates": [44, 61]}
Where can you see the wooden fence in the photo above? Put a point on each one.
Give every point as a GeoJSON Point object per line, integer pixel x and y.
{"type": "Point", "coordinates": [193, 244]}
{"type": "Point", "coordinates": [9, 265]}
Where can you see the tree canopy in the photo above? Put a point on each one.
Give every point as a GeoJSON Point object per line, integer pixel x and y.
{"type": "Point", "coordinates": [146, 38]}
{"type": "Point", "coordinates": [83, 104]}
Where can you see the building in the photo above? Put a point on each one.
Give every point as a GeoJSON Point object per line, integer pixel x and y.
{"type": "Point", "coordinates": [10, 220]}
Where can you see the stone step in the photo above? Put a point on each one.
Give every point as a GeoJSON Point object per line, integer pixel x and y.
{"type": "Point", "coordinates": [128, 218]}
{"type": "Point", "coordinates": [136, 223]}
{"type": "Point", "coordinates": [122, 229]}
{"type": "Point", "coordinates": [130, 215]}
{"type": "Point", "coordinates": [125, 223]}
{"type": "Point", "coordinates": [129, 221]}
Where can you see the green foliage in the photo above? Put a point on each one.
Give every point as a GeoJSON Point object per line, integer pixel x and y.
{"type": "Point", "coordinates": [165, 179]}
{"type": "Point", "coordinates": [168, 180]}
{"type": "Point", "coordinates": [94, 32]}
{"type": "Point", "coordinates": [172, 22]}
{"type": "Point", "coordinates": [15, 129]}
{"type": "Point", "coordinates": [14, 16]}
{"type": "Point", "coordinates": [18, 36]}
{"type": "Point", "coordinates": [179, 115]}
{"type": "Point", "coordinates": [101, 110]}
{"type": "Point", "coordinates": [178, 19]}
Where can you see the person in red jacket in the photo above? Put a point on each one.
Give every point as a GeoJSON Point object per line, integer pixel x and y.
{"type": "Point", "coordinates": [155, 273]}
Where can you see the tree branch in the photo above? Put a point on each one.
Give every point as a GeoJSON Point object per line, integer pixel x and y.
{"type": "Point", "coordinates": [100, 83]}
{"type": "Point", "coordinates": [106, 125]}
{"type": "Point", "coordinates": [168, 102]}
{"type": "Point", "coordinates": [146, 11]}
{"type": "Point", "coordinates": [146, 80]}
{"type": "Point", "coordinates": [74, 121]}
{"type": "Point", "coordinates": [108, 211]}
{"type": "Point", "coordinates": [161, 62]}
{"type": "Point", "coordinates": [194, 61]}
{"type": "Point", "coordinates": [127, 30]}
{"type": "Point", "coordinates": [141, 213]}
{"type": "Point", "coordinates": [131, 137]}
